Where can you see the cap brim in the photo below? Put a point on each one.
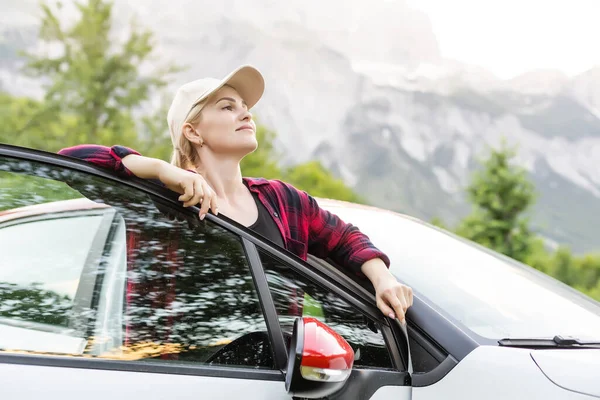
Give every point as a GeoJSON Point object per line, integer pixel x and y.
{"type": "Point", "coordinates": [246, 80]}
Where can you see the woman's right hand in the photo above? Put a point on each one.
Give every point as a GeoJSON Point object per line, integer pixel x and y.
{"type": "Point", "coordinates": [192, 186]}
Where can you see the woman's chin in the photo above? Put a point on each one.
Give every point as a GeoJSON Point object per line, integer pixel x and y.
{"type": "Point", "coordinates": [247, 146]}
{"type": "Point", "coordinates": [251, 143]}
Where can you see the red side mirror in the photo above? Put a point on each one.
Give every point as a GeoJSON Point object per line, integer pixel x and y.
{"type": "Point", "coordinates": [320, 360]}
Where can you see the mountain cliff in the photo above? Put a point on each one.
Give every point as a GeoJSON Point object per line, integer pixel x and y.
{"type": "Point", "coordinates": [362, 87]}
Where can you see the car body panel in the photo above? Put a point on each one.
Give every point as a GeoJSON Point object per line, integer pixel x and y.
{"type": "Point", "coordinates": [496, 373]}
{"type": "Point", "coordinates": [573, 369]}
{"type": "Point", "coordinates": [473, 368]}
{"type": "Point", "coordinates": [392, 392]}
{"type": "Point", "coordinates": [29, 382]}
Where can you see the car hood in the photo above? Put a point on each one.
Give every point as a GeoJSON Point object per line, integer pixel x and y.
{"type": "Point", "coordinates": [572, 369]}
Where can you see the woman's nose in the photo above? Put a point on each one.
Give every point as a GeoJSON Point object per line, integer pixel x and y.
{"type": "Point", "coordinates": [246, 116]}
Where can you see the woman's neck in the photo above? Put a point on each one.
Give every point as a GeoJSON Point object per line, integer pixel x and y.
{"type": "Point", "coordinates": [224, 176]}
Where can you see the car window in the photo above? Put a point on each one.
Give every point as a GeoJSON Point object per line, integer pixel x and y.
{"type": "Point", "coordinates": [153, 283]}
{"type": "Point", "coordinates": [44, 255]}
{"type": "Point", "coordinates": [423, 360]}
{"type": "Point", "coordinates": [294, 295]}
{"type": "Point", "coordinates": [58, 249]}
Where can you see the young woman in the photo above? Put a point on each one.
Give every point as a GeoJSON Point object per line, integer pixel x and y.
{"type": "Point", "coordinates": [212, 130]}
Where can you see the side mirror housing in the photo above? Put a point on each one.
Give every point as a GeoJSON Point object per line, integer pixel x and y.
{"type": "Point", "coordinates": [319, 362]}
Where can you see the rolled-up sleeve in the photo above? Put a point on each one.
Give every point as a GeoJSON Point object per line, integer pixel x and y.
{"type": "Point", "coordinates": [344, 243]}
{"type": "Point", "coordinates": [110, 158]}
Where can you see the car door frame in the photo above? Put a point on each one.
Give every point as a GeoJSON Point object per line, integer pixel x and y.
{"type": "Point", "coordinates": [361, 380]}
{"type": "Point", "coordinates": [365, 381]}
{"type": "Point", "coordinates": [156, 192]}
{"type": "Point", "coordinates": [441, 337]}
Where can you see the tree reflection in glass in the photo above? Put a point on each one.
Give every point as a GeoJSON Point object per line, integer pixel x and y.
{"type": "Point", "coordinates": [184, 285]}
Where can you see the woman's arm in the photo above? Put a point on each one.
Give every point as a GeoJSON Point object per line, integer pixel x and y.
{"type": "Point", "coordinates": [393, 298]}
{"type": "Point", "coordinates": [128, 162]}
{"type": "Point", "coordinates": [110, 158]}
{"type": "Point", "coordinates": [344, 243]}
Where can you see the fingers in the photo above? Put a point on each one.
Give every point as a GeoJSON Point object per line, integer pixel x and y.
{"type": "Point", "coordinates": [198, 193]}
{"type": "Point", "coordinates": [195, 190]}
{"type": "Point", "coordinates": [205, 201]}
{"type": "Point", "coordinates": [409, 295]}
{"type": "Point", "coordinates": [210, 199]}
{"type": "Point", "coordinates": [385, 309]}
{"type": "Point", "coordinates": [397, 305]}
{"type": "Point", "coordinates": [213, 204]}
{"type": "Point", "coordinates": [395, 301]}
{"type": "Point", "coordinates": [188, 193]}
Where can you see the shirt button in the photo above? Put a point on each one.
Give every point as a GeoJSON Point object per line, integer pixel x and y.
{"type": "Point", "coordinates": [276, 215]}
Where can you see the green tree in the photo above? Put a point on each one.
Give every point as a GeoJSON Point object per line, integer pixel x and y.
{"type": "Point", "coordinates": [310, 176]}
{"type": "Point", "coordinates": [587, 272]}
{"type": "Point", "coordinates": [264, 162]}
{"type": "Point", "coordinates": [34, 303]}
{"type": "Point", "coordinates": [319, 182]}
{"type": "Point", "coordinates": [94, 86]}
{"type": "Point", "coordinates": [24, 124]}
{"type": "Point", "coordinates": [154, 139]}
{"type": "Point", "coordinates": [501, 194]}
{"type": "Point", "coordinates": [93, 79]}
{"type": "Point", "coordinates": [439, 222]}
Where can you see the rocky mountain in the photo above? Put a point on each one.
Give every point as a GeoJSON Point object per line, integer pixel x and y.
{"type": "Point", "coordinates": [361, 86]}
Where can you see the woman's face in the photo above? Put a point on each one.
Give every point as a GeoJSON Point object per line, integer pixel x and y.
{"type": "Point", "coordinates": [226, 126]}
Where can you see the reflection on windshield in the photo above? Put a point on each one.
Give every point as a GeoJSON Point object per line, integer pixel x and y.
{"type": "Point", "coordinates": [141, 280]}
{"type": "Point", "coordinates": [493, 297]}
{"type": "Point", "coordinates": [62, 244]}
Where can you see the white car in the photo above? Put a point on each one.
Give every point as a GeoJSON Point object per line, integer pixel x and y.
{"type": "Point", "coordinates": [110, 289]}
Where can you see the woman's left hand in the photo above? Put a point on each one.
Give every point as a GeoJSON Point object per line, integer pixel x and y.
{"type": "Point", "coordinates": [393, 298]}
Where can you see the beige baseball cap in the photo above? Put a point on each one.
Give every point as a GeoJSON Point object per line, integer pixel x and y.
{"type": "Point", "coordinates": [246, 79]}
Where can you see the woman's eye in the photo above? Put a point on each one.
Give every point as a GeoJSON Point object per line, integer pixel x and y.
{"type": "Point", "coordinates": [230, 108]}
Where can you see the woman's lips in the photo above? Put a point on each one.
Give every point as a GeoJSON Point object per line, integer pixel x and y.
{"type": "Point", "coordinates": [249, 127]}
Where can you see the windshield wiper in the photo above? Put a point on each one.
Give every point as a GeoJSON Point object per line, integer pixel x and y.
{"type": "Point", "coordinates": [557, 341]}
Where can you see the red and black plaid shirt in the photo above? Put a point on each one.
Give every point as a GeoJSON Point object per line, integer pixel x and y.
{"type": "Point", "coordinates": [304, 226]}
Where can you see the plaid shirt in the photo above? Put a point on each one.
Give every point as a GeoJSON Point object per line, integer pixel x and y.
{"type": "Point", "coordinates": [305, 227]}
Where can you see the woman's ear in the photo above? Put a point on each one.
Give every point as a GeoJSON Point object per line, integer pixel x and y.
{"type": "Point", "coordinates": [192, 134]}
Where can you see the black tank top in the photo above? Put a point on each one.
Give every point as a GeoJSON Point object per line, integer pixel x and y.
{"type": "Point", "coordinates": [265, 224]}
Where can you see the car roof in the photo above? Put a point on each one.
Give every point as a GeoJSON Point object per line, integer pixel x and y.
{"type": "Point", "coordinates": [330, 204]}
{"type": "Point", "coordinates": [51, 207]}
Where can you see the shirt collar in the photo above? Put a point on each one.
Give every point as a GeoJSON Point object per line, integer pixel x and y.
{"type": "Point", "coordinates": [251, 182]}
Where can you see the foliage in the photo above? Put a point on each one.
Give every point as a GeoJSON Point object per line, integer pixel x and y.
{"type": "Point", "coordinates": [35, 304]}
{"type": "Point", "coordinates": [154, 140]}
{"type": "Point", "coordinates": [315, 179]}
{"type": "Point", "coordinates": [22, 190]}
{"type": "Point", "coordinates": [264, 162]}
{"type": "Point", "coordinates": [437, 221]}
{"type": "Point", "coordinates": [310, 176]}
{"type": "Point", "coordinates": [94, 86]}
{"type": "Point", "coordinates": [94, 82]}
{"type": "Point", "coordinates": [96, 93]}
{"type": "Point", "coordinates": [26, 122]}
{"type": "Point", "coordinates": [501, 194]}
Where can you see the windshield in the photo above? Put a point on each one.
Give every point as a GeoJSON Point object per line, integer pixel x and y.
{"type": "Point", "coordinates": [47, 254]}
{"type": "Point", "coordinates": [491, 295]}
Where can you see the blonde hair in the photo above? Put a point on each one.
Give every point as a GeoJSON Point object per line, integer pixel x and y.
{"type": "Point", "coordinates": [184, 155]}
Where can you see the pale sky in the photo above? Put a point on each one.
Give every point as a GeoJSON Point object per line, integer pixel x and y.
{"type": "Point", "coordinates": [509, 37]}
